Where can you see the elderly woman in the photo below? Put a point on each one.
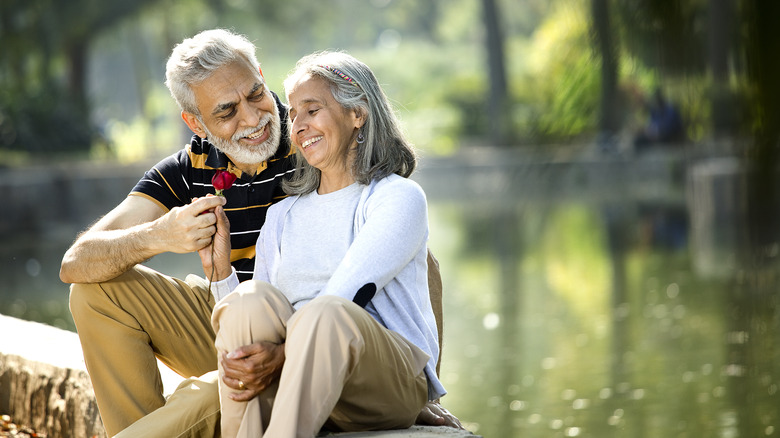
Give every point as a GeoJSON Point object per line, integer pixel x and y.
{"type": "Point", "coordinates": [339, 293]}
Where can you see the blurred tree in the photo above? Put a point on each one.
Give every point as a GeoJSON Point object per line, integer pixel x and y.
{"type": "Point", "coordinates": [43, 106]}
{"type": "Point", "coordinates": [563, 77]}
{"type": "Point", "coordinates": [609, 124]}
{"type": "Point", "coordinates": [668, 35]}
{"type": "Point", "coordinates": [762, 45]}
{"type": "Point", "coordinates": [498, 98]}
{"type": "Point", "coordinates": [722, 50]}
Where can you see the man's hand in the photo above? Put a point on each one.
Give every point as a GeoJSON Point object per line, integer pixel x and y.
{"type": "Point", "coordinates": [434, 414]}
{"type": "Point", "coordinates": [215, 257]}
{"type": "Point", "coordinates": [134, 231]}
{"type": "Point", "coordinates": [188, 228]}
{"type": "Point", "coordinates": [250, 369]}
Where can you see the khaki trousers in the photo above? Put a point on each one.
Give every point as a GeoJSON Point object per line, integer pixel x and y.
{"type": "Point", "coordinates": [125, 324]}
{"type": "Point", "coordinates": [342, 368]}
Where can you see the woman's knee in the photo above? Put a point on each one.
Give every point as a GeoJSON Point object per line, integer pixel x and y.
{"type": "Point", "coordinates": [249, 298]}
{"type": "Point", "coordinates": [254, 311]}
{"type": "Point", "coordinates": [325, 306]}
{"type": "Point", "coordinates": [327, 314]}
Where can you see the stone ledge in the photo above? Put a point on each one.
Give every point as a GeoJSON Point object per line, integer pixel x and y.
{"type": "Point", "coordinates": [412, 432]}
{"type": "Point", "coordinates": [44, 385]}
{"type": "Point", "coordinates": [50, 399]}
{"type": "Point", "coordinates": [43, 381]}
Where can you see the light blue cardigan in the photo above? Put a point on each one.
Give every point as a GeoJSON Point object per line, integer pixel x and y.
{"type": "Point", "coordinates": [389, 250]}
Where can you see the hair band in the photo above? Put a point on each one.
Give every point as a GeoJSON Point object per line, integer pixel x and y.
{"type": "Point", "coordinates": [340, 74]}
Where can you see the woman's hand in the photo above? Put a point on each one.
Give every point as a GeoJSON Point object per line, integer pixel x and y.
{"type": "Point", "coordinates": [250, 369]}
{"type": "Point", "coordinates": [215, 257]}
{"type": "Point", "coordinates": [434, 414]}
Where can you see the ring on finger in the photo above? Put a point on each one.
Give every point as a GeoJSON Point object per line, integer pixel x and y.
{"type": "Point", "coordinates": [241, 385]}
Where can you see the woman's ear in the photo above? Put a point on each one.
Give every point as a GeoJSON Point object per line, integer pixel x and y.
{"type": "Point", "coordinates": [360, 118]}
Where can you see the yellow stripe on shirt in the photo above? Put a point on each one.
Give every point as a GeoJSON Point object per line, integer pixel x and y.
{"type": "Point", "coordinates": [169, 185]}
{"type": "Point", "coordinates": [198, 160]}
{"type": "Point", "coordinates": [242, 253]}
{"type": "Point", "coordinates": [249, 207]}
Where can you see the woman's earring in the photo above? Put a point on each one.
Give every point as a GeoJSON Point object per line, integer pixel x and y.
{"type": "Point", "coordinates": [360, 138]}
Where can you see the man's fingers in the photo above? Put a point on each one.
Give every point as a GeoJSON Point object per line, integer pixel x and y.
{"type": "Point", "coordinates": [200, 205]}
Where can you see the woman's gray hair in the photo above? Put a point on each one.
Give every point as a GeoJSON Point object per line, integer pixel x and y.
{"type": "Point", "coordinates": [195, 59]}
{"type": "Point", "coordinates": [384, 150]}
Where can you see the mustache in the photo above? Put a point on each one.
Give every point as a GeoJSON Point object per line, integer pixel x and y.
{"type": "Point", "coordinates": [265, 121]}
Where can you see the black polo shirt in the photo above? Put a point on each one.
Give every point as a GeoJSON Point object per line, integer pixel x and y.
{"type": "Point", "coordinates": [185, 175]}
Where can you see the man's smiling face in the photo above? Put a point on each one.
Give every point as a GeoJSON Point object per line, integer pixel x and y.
{"type": "Point", "coordinates": [238, 114]}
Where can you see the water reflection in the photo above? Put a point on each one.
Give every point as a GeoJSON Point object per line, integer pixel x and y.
{"type": "Point", "coordinates": [581, 318]}
{"type": "Point", "coordinates": [565, 316]}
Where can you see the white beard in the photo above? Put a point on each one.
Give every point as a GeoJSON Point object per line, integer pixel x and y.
{"type": "Point", "coordinates": [253, 155]}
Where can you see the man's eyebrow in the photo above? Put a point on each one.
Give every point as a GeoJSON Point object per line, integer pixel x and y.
{"type": "Point", "coordinates": [228, 105]}
{"type": "Point", "coordinates": [256, 87]}
{"type": "Point", "coordinates": [223, 107]}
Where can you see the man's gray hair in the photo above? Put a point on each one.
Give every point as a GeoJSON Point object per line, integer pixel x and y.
{"type": "Point", "coordinates": [384, 151]}
{"type": "Point", "coordinates": [195, 59]}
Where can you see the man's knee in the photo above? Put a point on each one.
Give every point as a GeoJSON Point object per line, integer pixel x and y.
{"type": "Point", "coordinates": [88, 296]}
{"type": "Point", "coordinates": [81, 296]}
{"type": "Point", "coordinates": [198, 393]}
{"type": "Point", "coordinates": [192, 410]}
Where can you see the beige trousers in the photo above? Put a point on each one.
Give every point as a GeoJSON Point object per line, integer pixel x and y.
{"type": "Point", "coordinates": [342, 368]}
{"type": "Point", "coordinates": [126, 323]}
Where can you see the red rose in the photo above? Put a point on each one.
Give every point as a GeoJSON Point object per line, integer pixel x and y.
{"type": "Point", "coordinates": [222, 180]}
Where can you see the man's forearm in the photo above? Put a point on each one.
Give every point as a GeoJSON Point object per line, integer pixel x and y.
{"type": "Point", "coordinates": [102, 255]}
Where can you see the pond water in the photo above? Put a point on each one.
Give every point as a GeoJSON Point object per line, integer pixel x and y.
{"type": "Point", "coordinates": [567, 316]}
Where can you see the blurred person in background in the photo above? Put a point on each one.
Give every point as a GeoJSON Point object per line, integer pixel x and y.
{"type": "Point", "coordinates": [665, 125]}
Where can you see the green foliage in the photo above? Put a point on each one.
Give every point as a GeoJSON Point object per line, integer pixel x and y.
{"type": "Point", "coordinates": [441, 98]}
{"type": "Point", "coordinates": [43, 124]}
{"type": "Point", "coordinates": [669, 35]}
{"type": "Point", "coordinates": [562, 81]}
{"type": "Point", "coordinates": [104, 60]}
{"type": "Point", "coordinates": [43, 66]}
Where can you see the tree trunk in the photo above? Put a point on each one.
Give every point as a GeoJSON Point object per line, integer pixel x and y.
{"type": "Point", "coordinates": [498, 99]}
{"type": "Point", "coordinates": [602, 31]}
{"type": "Point", "coordinates": [721, 27]}
{"type": "Point", "coordinates": [77, 74]}
{"type": "Point", "coordinates": [763, 45]}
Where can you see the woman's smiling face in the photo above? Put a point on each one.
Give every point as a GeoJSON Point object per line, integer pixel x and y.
{"type": "Point", "coordinates": [322, 129]}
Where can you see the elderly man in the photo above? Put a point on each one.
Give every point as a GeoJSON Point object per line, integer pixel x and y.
{"type": "Point", "coordinates": [128, 315]}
